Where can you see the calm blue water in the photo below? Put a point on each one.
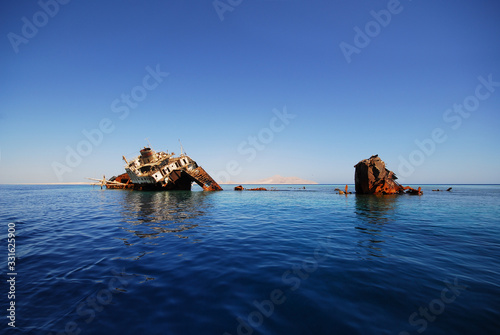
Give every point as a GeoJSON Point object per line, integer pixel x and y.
{"type": "Point", "coordinates": [285, 262]}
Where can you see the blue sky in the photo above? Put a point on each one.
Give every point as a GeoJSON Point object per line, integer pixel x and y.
{"type": "Point", "coordinates": [270, 89]}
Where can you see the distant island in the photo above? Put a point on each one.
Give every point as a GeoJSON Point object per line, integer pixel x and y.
{"type": "Point", "coordinates": [277, 179]}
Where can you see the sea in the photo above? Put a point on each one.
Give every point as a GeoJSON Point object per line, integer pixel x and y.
{"type": "Point", "coordinates": [297, 259]}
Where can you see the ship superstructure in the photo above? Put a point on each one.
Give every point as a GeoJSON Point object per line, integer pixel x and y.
{"type": "Point", "coordinates": [162, 171]}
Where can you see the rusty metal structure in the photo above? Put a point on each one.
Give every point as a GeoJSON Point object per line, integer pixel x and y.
{"type": "Point", "coordinates": [160, 171]}
{"type": "Point", "coordinates": [241, 188]}
{"type": "Point", "coordinates": [372, 177]}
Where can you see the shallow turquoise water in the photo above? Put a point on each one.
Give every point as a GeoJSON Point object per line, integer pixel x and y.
{"type": "Point", "coordinates": [291, 261]}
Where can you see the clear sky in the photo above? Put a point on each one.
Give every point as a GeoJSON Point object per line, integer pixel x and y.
{"type": "Point", "coordinates": [252, 88]}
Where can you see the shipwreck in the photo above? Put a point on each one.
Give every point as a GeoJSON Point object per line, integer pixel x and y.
{"type": "Point", "coordinates": [160, 171]}
{"type": "Point", "coordinates": [372, 177]}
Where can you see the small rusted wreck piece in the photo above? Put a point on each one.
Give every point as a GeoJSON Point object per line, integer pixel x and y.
{"type": "Point", "coordinates": [346, 192]}
{"type": "Point", "coordinates": [372, 177]}
{"type": "Point", "coordinates": [241, 188]}
{"type": "Point", "coordinates": [161, 171]}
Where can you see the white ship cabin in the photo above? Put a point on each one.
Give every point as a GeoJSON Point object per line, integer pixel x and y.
{"type": "Point", "coordinates": [155, 167]}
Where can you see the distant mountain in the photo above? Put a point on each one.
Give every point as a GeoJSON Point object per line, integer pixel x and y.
{"type": "Point", "coordinates": [277, 179]}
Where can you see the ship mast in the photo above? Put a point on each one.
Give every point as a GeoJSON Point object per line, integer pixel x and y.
{"type": "Point", "coordinates": [182, 149]}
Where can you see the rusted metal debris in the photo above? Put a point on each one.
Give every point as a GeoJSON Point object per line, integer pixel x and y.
{"type": "Point", "coordinates": [346, 192]}
{"type": "Point", "coordinates": [161, 171]}
{"type": "Point", "coordinates": [120, 182]}
{"type": "Point", "coordinates": [372, 177]}
{"type": "Point", "coordinates": [241, 188]}
{"type": "Point", "coordinates": [123, 180]}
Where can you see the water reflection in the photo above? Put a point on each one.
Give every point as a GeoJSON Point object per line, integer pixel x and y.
{"type": "Point", "coordinates": [374, 212]}
{"type": "Point", "coordinates": [151, 214]}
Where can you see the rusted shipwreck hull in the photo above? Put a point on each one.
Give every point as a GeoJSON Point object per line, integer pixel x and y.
{"type": "Point", "coordinates": [372, 177]}
{"type": "Point", "coordinates": [161, 171]}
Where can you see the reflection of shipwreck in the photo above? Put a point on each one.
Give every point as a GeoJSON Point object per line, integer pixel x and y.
{"type": "Point", "coordinates": [161, 171]}
{"type": "Point", "coordinates": [152, 214]}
